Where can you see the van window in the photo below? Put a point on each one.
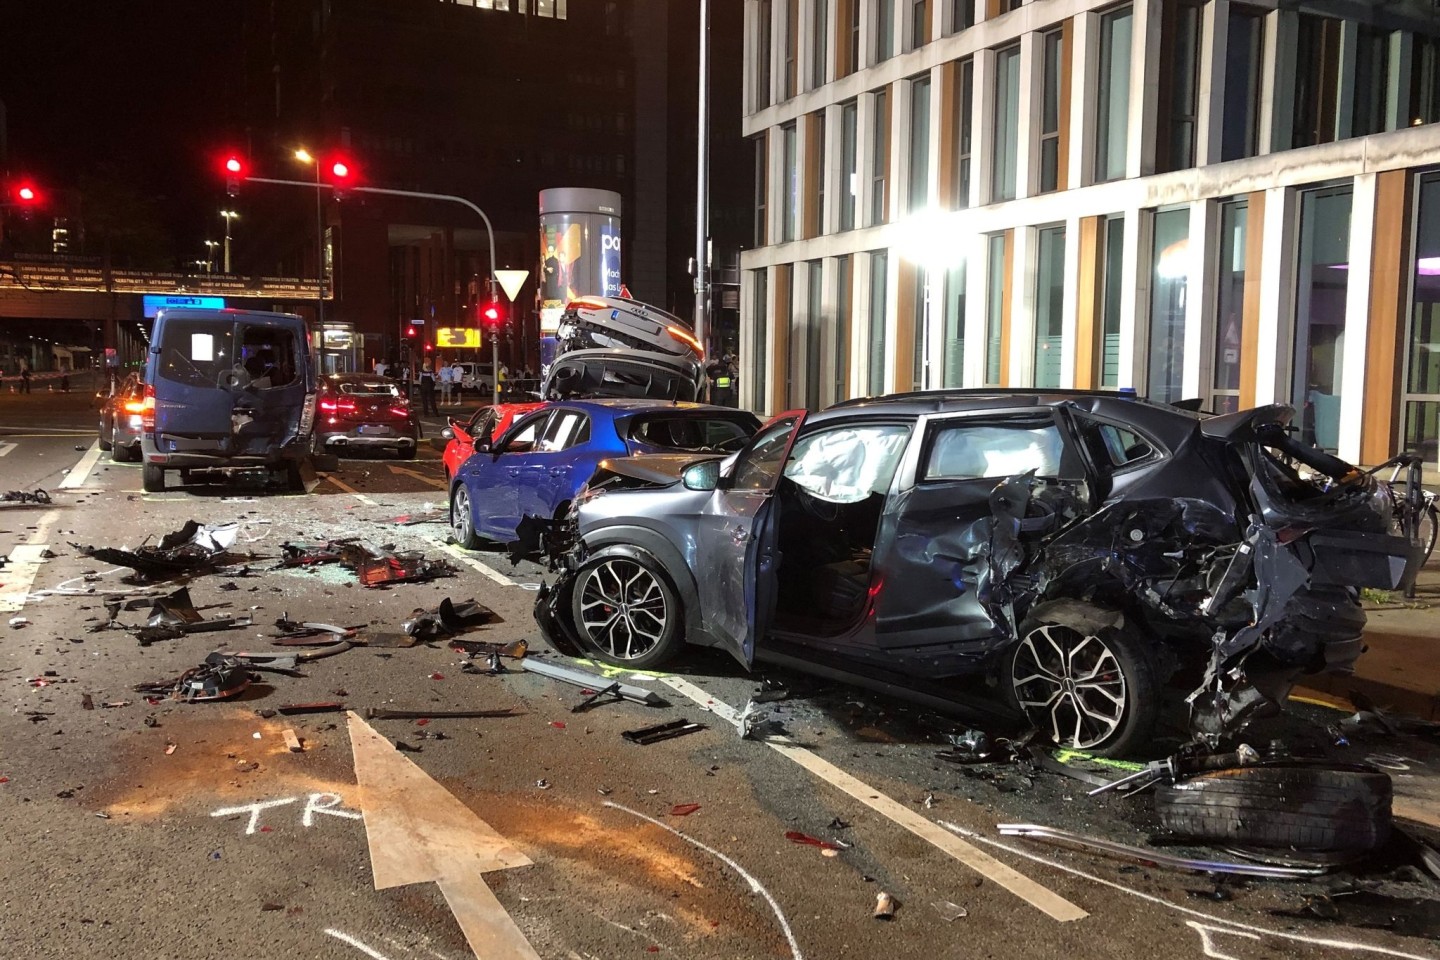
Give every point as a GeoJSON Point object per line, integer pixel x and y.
{"type": "Point", "coordinates": [269, 355]}
{"type": "Point", "coordinates": [197, 353]}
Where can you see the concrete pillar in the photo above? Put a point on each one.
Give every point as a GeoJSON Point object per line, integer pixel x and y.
{"type": "Point", "coordinates": [1200, 298]}
{"type": "Point", "coordinates": [1357, 316]}
{"type": "Point", "coordinates": [1402, 62]}
{"type": "Point", "coordinates": [1021, 361]}
{"type": "Point", "coordinates": [1132, 308]}
{"type": "Point", "coordinates": [1214, 47]}
{"type": "Point", "coordinates": [1277, 290]}
{"type": "Point", "coordinates": [1277, 84]}
{"type": "Point", "coordinates": [1144, 88]}
{"type": "Point", "coordinates": [1345, 80]}
{"type": "Point", "coordinates": [1084, 73]}
{"type": "Point", "coordinates": [1027, 174]}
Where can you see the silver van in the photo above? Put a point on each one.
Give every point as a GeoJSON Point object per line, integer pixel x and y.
{"type": "Point", "coordinates": [227, 388]}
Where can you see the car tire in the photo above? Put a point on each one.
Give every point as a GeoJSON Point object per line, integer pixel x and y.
{"type": "Point", "coordinates": [104, 437]}
{"type": "Point", "coordinates": [1059, 666]}
{"type": "Point", "coordinates": [1293, 805]}
{"type": "Point", "coordinates": [408, 453]}
{"type": "Point", "coordinates": [152, 478]}
{"type": "Point", "coordinates": [123, 453]}
{"type": "Point", "coordinates": [620, 599]}
{"type": "Point", "coordinates": [462, 527]}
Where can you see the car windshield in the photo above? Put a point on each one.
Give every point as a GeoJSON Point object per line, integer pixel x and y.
{"type": "Point", "coordinates": [691, 433]}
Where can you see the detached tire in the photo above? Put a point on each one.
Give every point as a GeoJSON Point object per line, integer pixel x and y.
{"type": "Point", "coordinates": [152, 478]}
{"type": "Point", "coordinates": [1085, 678]}
{"type": "Point", "coordinates": [1314, 808]}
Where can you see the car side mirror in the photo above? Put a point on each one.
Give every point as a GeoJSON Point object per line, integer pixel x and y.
{"type": "Point", "coordinates": [702, 476]}
{"type": "Point", "coordinates": [482, 446]}
{"type": "Point", "coordinates": [447, 434]}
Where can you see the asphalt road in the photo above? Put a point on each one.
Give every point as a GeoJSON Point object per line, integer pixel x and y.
{"type": "Point", "coordinates": [191, 831]}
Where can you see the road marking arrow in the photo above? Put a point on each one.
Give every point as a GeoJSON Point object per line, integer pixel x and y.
{"type": "Point", "coordinates": [419, 832]}
{"type": "Point", "coordinates": [7, 447]}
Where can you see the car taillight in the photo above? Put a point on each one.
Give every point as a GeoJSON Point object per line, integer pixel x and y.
{"type": "Point", "coordinates": [307, 415]}
{"type": "Point", "coordinates": [589, 303]}
{"type": "Point", "coordinates": [686, 338]}
{"type": "Point", "coordinates": [400, 411]}
{"type": "Point", "coordinates": [337, 406]}
{"type": "Point", "coordinates": [134, 406]}
{"type": "Point", "coordinates": [147, 409]}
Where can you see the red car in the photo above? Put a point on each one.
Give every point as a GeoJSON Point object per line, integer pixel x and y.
{"type": "Point", "coordinates": [363, 410]}
{"type": "Point", "coordinates": [486, 424]}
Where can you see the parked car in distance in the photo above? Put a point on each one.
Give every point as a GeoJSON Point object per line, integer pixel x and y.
{"type": "Point", "coordinates": [1078, 548]}
{"type": "Point", "coordinates": [227, 389]}
{"type": "Point", "coordinates": [535, 468]}
{"type": "Point", "coordinates": [365, 411]}
{"type": "Point", "coordinates": [478, 378]}
{"type": "Point", "coordinates": [122, 419]}
{"type": "Point", "coordinates": [480, 428]}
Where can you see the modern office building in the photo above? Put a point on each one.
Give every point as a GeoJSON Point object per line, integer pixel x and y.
{"type": "Point", "coordinates": [1233, 202]}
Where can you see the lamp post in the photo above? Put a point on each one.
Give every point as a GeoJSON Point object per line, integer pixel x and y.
{"type": "Point", "coordinates": [304, 156]}
{"type": "Point", "coordinates": [228, 215]}
{"type": "Point", "coordinates": [210, 246]}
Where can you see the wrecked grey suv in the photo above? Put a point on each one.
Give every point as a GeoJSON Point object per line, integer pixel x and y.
{"type": "Point", "coordinates": [1079, 548]}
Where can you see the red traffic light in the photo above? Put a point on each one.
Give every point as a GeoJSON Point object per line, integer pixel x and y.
{"type": "Point", "coordinates": [410, 331]}
{"type": "Point", "coordinates": [340, 169]}
{"type": "Point", "coordinates": [26, 193]}
{"type": "Point", "coordinates": [233, 165]}
{"type": "Point", "coordinates": [234, 172]}
{"type": "Point", "coordinates": [491, 315]}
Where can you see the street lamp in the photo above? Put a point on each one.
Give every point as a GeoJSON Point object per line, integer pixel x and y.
{"type": "Point", "coordinates": [304, 156]}
{"type": "Point", "coordinates": [210, 246]}
{"type": "Point", "coordinates": [228, 215]}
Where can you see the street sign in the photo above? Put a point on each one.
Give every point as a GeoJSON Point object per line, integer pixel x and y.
{"type": "Point", "coordinates": [511, 281]}
{"type": "Point", "coordinates": [152, 303]}
{"type": "Point", "coordinates": [457, 338]}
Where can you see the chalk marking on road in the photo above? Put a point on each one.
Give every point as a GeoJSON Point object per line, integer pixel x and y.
{"type": "Point", "coordinates": [364, 948]}
{"type": "Point", "coordinates": [7, 447]}
{"type": "Point", "coordinates": [323, 803]}
{"type": "Point", "coordinates": [755, 886]}
{"type": "Point", "coordinates": [471, 562]}
{"type": "Point", "coordinates": [254, 809]}
{"type": "Point", "coordinates": [81, 471]}
{"type": "Point", "coordinates": [406, 471]}
{"type": "Point", "coordinates": [1044, 900]}
{"type": "Point", "coordinates": [1208, 944]}
{"type": "Point", "coordinates": [1161, 901]}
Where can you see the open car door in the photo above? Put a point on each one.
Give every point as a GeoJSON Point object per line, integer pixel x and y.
{"type": "Point", "coordinates": [737, 549]}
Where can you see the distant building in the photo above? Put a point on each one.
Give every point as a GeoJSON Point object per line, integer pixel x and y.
{"type": "Point", "coordinates": [1239, 203]}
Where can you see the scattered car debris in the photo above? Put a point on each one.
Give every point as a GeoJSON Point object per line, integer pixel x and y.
{"type": "Point", "coordinates": [1152, 858]}
{"type": "Point", "coordinates": [19, 621]}
{"type": "Point", "coordinates": [448, 619]}
{"type": "Point", "coordinates": [287, 659]}
{"type": "Point", "coordinates": [1178, 766]}
{"type": "Point", "coordinates": [218, 678]}
{"type": "Point", "coordinates": [374, 566]}
{"type": "Point", "coordinates": [610, 694]}
{"type": "Point", "coordinates": [192, 549]}
{"type": "Point", "coordinates": [292, 742]}
{"type": "Point", "coordinates": [87, 702]}
{"type": "Point", "coordinates": [591, 681]}
{"type": "Point", "coordinates": [324, 706]}
{"type": "Point", "coordinates": [885, 906]}
{"type": "Point", "coordinates": [515, 650]}
{"type": "Point", "coordinates": [22, 496]}
{"type": "Point", "coordinates": [795, 836]}
{"type": "Point", "coordinates": [949, 912]}
{"type": "Point", "coordinates": [662, 731]}
{"type": "Point", "coordinates": [382, 713]}
{"type": "Point", "coordinates": [294, 630]}
{"type": "Point", "coordinates": [684, 809]}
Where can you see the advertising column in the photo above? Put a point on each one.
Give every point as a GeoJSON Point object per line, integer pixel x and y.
{"type": "Point", "coordinates": [579, 253]}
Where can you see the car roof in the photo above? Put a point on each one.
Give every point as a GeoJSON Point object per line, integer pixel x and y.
{"type": "Point", "coordinates": [200, 313]}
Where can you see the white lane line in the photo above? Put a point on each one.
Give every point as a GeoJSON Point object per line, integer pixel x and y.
{"type": "Point", "coordinates": [755, 886]}
{"type": "Point", "coordinates": [23, 566]}
{"type": "Point", "coordinates": [369, 951]}
{"type": "Point", "coordinates": [471, 562]}
{"type": "Point", "coordinates": [81, 472]}
{"type": "Point", "coordinates": [7, 447]}
{"type": "Point", "coordinates": [1039, 897]}
{"type": "Point", "coordinates": [1161, 901]}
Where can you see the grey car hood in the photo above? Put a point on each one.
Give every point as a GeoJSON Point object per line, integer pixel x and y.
{"type": "Point", "coordinates": [657, 469]}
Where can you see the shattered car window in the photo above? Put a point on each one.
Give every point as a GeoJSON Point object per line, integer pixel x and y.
{"type": "Point", "coordinates": [849, 464]}
{"type": "Point", "coordinates": [759, 466]}
{"type": "Point", "coordinates": [1122, 446]}
{"type": "Point", "coordinates": [971, 449]}
{"type": "Point", "coordinates": [197, 353]}
{"type": "Point", "coordinates": [268, 356]}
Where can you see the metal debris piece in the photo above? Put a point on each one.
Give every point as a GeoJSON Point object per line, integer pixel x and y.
{"type": "Point", "coordinates": [591, 681]}
{"type": "Point", "coordinates": [515, 650]}
{"type": "Point", "coordinates": [380, 713]}
{"type": "Point", "coordinates": [192, 549]}
{"type": "Point", "coordinates": [324, 706]}
{"type": "Point", "coordinates": [611, 693]}
{"type": "Point", "coordinates": [884, 906]}
{"type": "Point", "coordinates": [1154, 859]}
{"type": "Point", "coordinates": [288, 659]}
{"type": "Point", "coordinates": [661, 731]}
{"type": "Point", "coordinates": [218, 678]}
{"type": "Point", "coordinates": [770, 691]}
{"type": "Point", "coordinates": [22, 496]}
{"type": "Point", "coordinates": [949, 912]}
{"type": "Point", "coordinates": [1178, 767]}
{"type": "Point", "coordinates": [448, 619]}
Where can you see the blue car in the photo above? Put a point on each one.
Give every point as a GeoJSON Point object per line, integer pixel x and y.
{"type": "Point", "coordinates": [536, 468]}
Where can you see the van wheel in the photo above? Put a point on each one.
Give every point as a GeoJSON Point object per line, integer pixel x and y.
{"type": "Point", "coordinates": [152, 478]}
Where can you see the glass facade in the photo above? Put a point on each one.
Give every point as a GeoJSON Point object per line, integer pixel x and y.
{"type": "Point", "coordinates": [814, 333]}
{"type": "Point", "coordinates": [762, 190]}
{"type": "Point", "coordinates": [884, 29]}
{"type": "Point", "coordinates": [840, 369]}
{"type": "Point", "coordinates": [1051, 61]}
{"type": "Point", "coordinates": [1007, 124]}
{"type": "Point", "coordinates": [875, 368]}
{"type": "Point", "coordinates": [760, 322]}
{"type": "Point", "coordinates": [994, 307]}
{"type": "Point", "coordinates": [919, 193]}
{"type": "Point", "coordinates": [1049, 305]}
{"type": "Point", "coordinates": [880, 160]}
{"type": "Point", "coordinates": [820, 40]}
{"type": "Point", "coordinates": [1421, 427]}
{"type": "Point", "coordinates": [1112, 122]}
{"type": "Point", "coordinates": [1239, 134]}
{"type": "Point", "coordinates": [1322, 282]}
{"type": "Point", "coordinates": [1112, 292]}
{"type": "Point", "coordinates": [1179, 84]}
{"type": "Point", "coordinates": [952, 347]}
{"type": "Point", "coordinates": [785, 322]}
{"type": "Point", "coordinates": [849, 164]}
{"type": "Point", "coordinates": [963, 127]}
{"type": "Point", "coordinates": [1230, 307]}
{"type": "Point", "coordinates": [790, 185]}
{"type": "Point", "coordinates": [919, 318]}
{"type": "Point", "coordinates": [1170, 271]}
{"type": "Point", "coordinates": [763, 54]}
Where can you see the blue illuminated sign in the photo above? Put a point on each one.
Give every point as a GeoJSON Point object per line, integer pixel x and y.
{"type": "Point", "coordinates": [163, 302]}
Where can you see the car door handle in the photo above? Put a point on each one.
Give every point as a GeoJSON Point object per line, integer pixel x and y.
{"type": "Point", "coordinates": [557, 471]}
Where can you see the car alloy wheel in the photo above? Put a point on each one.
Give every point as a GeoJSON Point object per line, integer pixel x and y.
{"type": "Point", "coordinates": [623, 609]}
{"type": "Point", "coordinates": [462, 521]}
{"type": "Point", "coordinates": [1072, 684]}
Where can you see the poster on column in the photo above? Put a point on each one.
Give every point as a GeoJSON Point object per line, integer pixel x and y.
{"type": "Point", "coordinates": [579, 251]}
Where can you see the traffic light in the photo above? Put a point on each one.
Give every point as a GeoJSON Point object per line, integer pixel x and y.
{"type": "Point", "coordinates": [234, 173]}
{"type": "Point", "coordinates": [492, 315]}
{"type": "Point", "coordinates": [342, 176]}
{"type": "Point", "coordinates": [24, 196]}
{"type": "Point", "coordinates": [410, 331]}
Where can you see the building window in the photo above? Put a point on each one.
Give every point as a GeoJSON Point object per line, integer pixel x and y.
{"type": "Point", "coordinates": [884, 30]}
{"type": "Point", "coordinates": [814, 333]}
{"type": "Point", "coordinates": [1425, 81]}
{"type": "Point", "coordinates": [1049, 305]}
{"type": "Point", "coordinates": [919, 314]}
{"type": "Point", "coordinates": [1371, 91]}
{"type": "Point", "coordinates": [1006, 6]}
{"type": "Point", "coordinates": [1112, 293]}
{"type": "Point", "coordinates": [820, 40]}
{"type": "Point", "coordinates": [994, 308]}
{"type": "Point", "coordinates": [1007, 124]}
{"type": "Point", "coordinates": [1422, 367]}
{"type": "Point", "coordinates": [1051, 103]}
{"type": "Point", "coordinates": [1239, 134]}
{"type": "Point", "coordinates": [919, 24]}
{"type": "Point", "coordinates": [1321, 285]}
{"type": "Point", "coordinates": [849, 164]}
{"type": "Point", "coordinates": [1230, 307]}
{"type": "Point", "coordinates": [762, 190]}
{"type": "Point", "coordinates": [853, 63]}
{"type": "Point", "coordinates": [820, 173]}
{"type": "Point", "coordinates": [1179, 85]}
{"type": "Point", "coordinates": [1317, 71]}
{"type": "Point", "coordinates": [789, 13]}
{"type": "Point", "coordinates": [879, 274]}
{"type": "Point", "coordinates": [760, 323]}
{"type": "Point", "coordinates": [964, 131]}
{"type": "Point", "coordinates": [953, 360]}
{"type": "Point", "coordinates": [919, 194]}
{"type": "Point", "coordinates": [1113, 119]}
{"type": "Point", "coordinates": [841, 367]}
{"type": "Point", "coordinates": [785, 326]}
{"type": "Point", "coordinates": [962, 15]}
{"type": "Point", "coordinates": [880, 157]}
{"type": "Point", "coordinates": [1170, 266]}
{"type": "Point", "coordinates": [763, 54]}
{"type": "Point", "coordinates": [789, 184]}
{"type": "Point", "coordinates": [550, 9]}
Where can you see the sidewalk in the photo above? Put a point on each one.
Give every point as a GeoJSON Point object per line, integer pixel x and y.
{"type": "Point", "coordinates": [1400, 668]}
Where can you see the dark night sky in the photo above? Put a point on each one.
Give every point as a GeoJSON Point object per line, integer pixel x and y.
{"type": "Point", "coordinates": [140, 93]}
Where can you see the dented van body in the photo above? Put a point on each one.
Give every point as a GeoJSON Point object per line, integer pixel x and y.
{"type": "Point", "coordinates": [227, 388]}
{"type": "Point", "coordinates": [1080, 548]}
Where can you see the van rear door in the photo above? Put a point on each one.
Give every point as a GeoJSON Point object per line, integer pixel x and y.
{"type": "Point", "coordinates": [193, 379]}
